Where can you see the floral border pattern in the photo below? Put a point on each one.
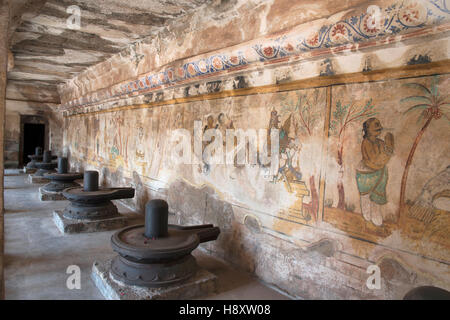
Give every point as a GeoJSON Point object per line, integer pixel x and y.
{"type": "Point", "coordinates": [399, 18]}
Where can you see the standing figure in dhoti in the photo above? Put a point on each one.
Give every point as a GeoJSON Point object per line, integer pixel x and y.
{"type": "Point", "coordinates": [372, 173]}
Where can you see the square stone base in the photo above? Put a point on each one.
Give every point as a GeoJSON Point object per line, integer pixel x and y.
{"type": "Point", "coordinates": [66, 225]}
{"type": "Point", "coordinates": [202, 284]}
{"type": "Point", "coordinates": [29, 170]}
{"type": "Point", "coordinates": [37, 179]}
{"type": "Point", "coordinates": [50, 196]}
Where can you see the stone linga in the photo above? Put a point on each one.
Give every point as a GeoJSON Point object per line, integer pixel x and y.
{"type": "Point", "coordinates": [157, 254]}
{"type": "Point", "coordinates": [37, 156]}
{"type": "Point", "coordinates": [46, 166]}
{"type": "Point", "coordinates": [62, 179]}
{"type": "Point", "coordinates": [91, 202]}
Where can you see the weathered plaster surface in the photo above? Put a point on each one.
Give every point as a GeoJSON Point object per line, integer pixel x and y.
{"type": "Point", "coordinates": [133, 146]}
{"type": "Point", "coordinates": [352, 30]}
{"type": "Point", "coordinates": [219, 25]}
{"type": "Point", "coordinates": [310, 229]}
{"type": "Point", "coordinates": [14, 110]}
{"type": "Point", "coordinates": [47, 52]}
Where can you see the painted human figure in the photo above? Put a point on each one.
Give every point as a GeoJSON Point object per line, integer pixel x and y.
{"type": "Point", "coordinates": [290, 146]}
{"type": "Point", "coordinates": [139, 143]}
{"type": "Point", "coordinates": [225, 123]}
{"type": "Point", "coordinates": [372, 173]}
{"type": "Point", "coordinates": [209, 125]}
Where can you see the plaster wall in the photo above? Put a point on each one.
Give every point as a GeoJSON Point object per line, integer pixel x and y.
{"type": "Point", "coordinates": [219, 25]}
{"type": "Point", "coordinates": [14, 111]}
{"type": "Point", "coordinates": [343, 196]}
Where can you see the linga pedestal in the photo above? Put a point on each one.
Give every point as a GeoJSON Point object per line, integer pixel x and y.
{"type": "Point", "coordinates": [31, 166]}
{"type": "Point", "coordinates": [43, 167]}
{"type": "Point", "coordinates": [91, 209]}
{"type": "Point", "coordinates": [59, 181]}
{"type": "Point", "coordinates": [154, 260]}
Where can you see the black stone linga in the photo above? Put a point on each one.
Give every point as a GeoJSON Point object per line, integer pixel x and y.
{"type": "Point", "coordinates": [46, 166]}
{"type": "Point", "coordinates": [47, 156]}
{"type": "Point", "coordinates": [63, 165]}
{"type": "Point", "coordinates": [90, 181]}
{"type": "Point", "coordinates": [92, 202]}
{"type": "Point", "coordinates": [157, 254]}
{"type": "Point", "coordinates": [62, 179]}
{"type": "Point", "coordinates": [34, 157]}
{"type": "Point", "coordinates": [156, 219]}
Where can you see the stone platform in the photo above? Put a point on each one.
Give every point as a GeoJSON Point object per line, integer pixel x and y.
{"type": "Point", "coordinates": [66, 225]}
{"type": "Point", "coordinates": [37, 179]}
{"type": "Point", "coordinates": [50, 196]}
{"type": "Point", "coordinates": [200, 285]}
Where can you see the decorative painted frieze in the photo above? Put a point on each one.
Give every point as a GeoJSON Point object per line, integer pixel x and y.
{"type": "Point", "coordinates": [377, 26]}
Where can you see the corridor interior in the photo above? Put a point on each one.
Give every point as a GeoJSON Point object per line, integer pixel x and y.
{"type": "Point", "coordinates": [299, 149]}
{"type": "Point", "coordinates": [37, 255]}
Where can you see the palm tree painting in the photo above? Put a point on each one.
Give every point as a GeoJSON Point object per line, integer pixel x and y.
{"type": "Point", "coordinates": [342, 118]}
{"type": "Point", "coordinates": [429, 105]}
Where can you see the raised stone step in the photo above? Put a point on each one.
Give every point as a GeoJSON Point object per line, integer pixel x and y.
{"type": "Point", "coordinates": [201, 284]}
{"type": "Point", "coordinates": [50, 196]}
{"type": "Point", "coordinates": [66, 225]}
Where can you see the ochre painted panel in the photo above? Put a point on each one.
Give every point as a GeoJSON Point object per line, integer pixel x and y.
{"type": "Point", "coordinates": [387, 174]}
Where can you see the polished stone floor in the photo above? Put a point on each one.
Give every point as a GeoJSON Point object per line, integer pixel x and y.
{"type": "Point", "coordinates": [37, 255]}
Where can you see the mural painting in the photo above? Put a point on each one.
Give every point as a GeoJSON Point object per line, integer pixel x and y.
{"type": "Point", "coordinates": [299, 119]}
{"type": "Point", "coordinates": [393, 163]}
{"type": "Point", "coordinates": [372, 173]}
{"type": "Point", "coordinates": [385, 170]}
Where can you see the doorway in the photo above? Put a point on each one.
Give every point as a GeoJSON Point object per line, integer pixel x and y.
{"type": "Point", "coordinates": [33, 136]}
{"type": "Point", "coordinates": [33, 133]}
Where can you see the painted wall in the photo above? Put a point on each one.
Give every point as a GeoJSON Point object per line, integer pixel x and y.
{"type": "Point", "coordinates": [363, 176]}
{"type": "Point", "coordinates": [221, 24]}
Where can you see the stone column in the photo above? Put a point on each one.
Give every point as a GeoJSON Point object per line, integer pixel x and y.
{"type": "Point", "coordinates": [4, 22]}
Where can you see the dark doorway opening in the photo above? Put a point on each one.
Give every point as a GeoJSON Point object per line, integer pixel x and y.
{"type": "Point", "coordinates": [34, 132]}
{"type": "Point", "coordinates": [33, 136]}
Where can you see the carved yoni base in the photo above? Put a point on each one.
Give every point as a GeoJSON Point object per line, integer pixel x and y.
{"type": "Point", "coordinates": [154, 275]}
{"type": "Point", "coordinates": [36, 179]}
{"type": "Point", "coordinates": [29, 170]}
{"type": "Point", "coordinates": [45, 195]}
{"type": "Point", "coordinates": [32, 163]}
{"type": "Point", "coordinates": [203, 283]}
{"type": "Point", "coordinates": [102, 210]}
{"type": "Point", "coordinates": [42, 172]}
{"type": "Point", "coordinates": [59, 186]}
{"type": "Point", "coordinates": [66, 225]}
